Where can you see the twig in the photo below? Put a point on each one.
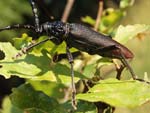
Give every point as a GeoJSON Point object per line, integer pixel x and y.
{"type": "Point", "coordinates": [99, 14]}
{"type": "Point", "coordinates": [119, 69]}
{"type": "Point", "coordinates": [67, 10]}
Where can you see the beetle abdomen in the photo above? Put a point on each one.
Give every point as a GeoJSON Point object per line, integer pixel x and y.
{"type": "Point", "coordinates": [88, 40]}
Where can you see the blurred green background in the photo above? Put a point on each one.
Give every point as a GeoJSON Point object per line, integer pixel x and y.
{"type": "Point", "coordinates": [138, 14]}
{"type": "Point", "coordinates": [19, 11]}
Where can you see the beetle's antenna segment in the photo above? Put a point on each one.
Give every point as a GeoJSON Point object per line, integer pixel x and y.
{"type": "Point", "coordinates": [18, 26]}
{"type": "Point", "coordinates": [35, 10]}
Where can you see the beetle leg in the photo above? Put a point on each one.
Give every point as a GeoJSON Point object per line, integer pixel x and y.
{"type": "Point", "coordinates": [126, 64]}
{"type": "Point", "coordinates": [26, 49]}
{"type": "Point", "coordinates": [124, 61]}
{"type": "Point", "coordinates": [70, 58]}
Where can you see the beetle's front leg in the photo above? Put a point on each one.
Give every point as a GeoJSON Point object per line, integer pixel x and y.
{"type": "Point", "coordinates": [70, 58]}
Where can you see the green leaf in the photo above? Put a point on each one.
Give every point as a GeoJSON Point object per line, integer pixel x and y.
{"type": "Point", "coordinates": [104, 61]}
{"type": "Point", "coordinates": [82, 107]}
{"type": "Point", "coordinates": [61, 49]}
{"type": "Point", "coordinates": [125, 33]}
{"type": "Point", "coordinates": [88, 20]}
{"type": "Point", "coordinates": [126, 3]}
{"type": "Point", "coordinates": [51, 89]}
{"type": "Point", "coordinates": [13, 13]}
{"type": "Point", "coordinates": [118, 93]}
{"type": "Point", "coordinates": [7, 107]}
{"type": "Point", "coordinates": [110, 18]}
{"type": "Point", "coordinates": [89, 70]}
{"type": "Point", "coordinates": [22, 42]}
{"type": "Point", "coordinates": [29, 100]}
{"type": "Point", "coordinates": [25, 40]}
{"type": "Point", "coordinates": [34, 66]}
{"type": "Point", "coordinates": [15, 67]}
{"type": "Point", "coordinates": [86, 107]}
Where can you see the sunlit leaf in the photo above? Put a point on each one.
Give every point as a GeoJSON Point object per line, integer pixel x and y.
{"type": "Point", "coordinates": [52, 89]}
{"type": "Point", "coordinates": [110, 18]}
{"type": "Point", "coordinates": [125, 33]}
{"type": "Point", "coordinates": [7, 107]}
{"type": "Point", "coordinates": [88, 20]}
{"type": "Point", "coordinates": [118, 93]}
{"type": "Point", "coordinates": [15, 67]}
{"type": "Point", "coordinates": [126, 3]}
{"type": "Point", "coordinates": [22, 42]}
{"type": "Point", "coordinates": [34, 66]}
{"type": "Point", "coordinates": [29, 100]}
{"type": "Point", "coordinates": [89, 70]}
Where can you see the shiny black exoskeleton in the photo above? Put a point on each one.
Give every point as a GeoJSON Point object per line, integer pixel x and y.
{"type": "Point", "coordinates": [85, 39]}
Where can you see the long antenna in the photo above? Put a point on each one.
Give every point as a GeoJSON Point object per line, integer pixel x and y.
{"type": "Point", "coordinates": [35, 11]}
{"type": "Point", "coordinates": [18, 26]}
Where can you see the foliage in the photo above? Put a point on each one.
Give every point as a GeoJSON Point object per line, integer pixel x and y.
{"type": "Point", "coordinates": [42, 74]}
{"type": "Point", "coordinates": [11, 14]}
{"type": "Point", "coordinates": [118, 93]}
{"type": "Point", "coordinates": [47, 86]}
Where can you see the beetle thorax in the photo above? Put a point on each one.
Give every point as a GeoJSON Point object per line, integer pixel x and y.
{"type": "Point", "coordinates": [57, 29]}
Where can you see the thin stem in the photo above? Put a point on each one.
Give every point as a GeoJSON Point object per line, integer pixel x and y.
{"type": "Point", "coordinates": [119, 69]}
{"type": "Point", "coordinates": [99, 14]}
{"type": "Point", "coordinates": [67, 10]}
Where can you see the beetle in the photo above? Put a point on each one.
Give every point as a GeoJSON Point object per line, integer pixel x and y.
{"type": "Point", "coordinates": [78, 36]}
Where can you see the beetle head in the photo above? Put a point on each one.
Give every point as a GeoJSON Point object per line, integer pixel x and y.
{"type": "Point", "coordinates": [57, 28]}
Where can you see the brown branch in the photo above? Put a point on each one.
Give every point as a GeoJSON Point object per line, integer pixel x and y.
{"type": "Point", "coordinates": [119, 69]}
{"type": "Point", "coordinates": [99, 14]}
{"type": "Point", "coordinates": [119, 72]}
{"type": "Point", "coordinates": [67, 10]}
